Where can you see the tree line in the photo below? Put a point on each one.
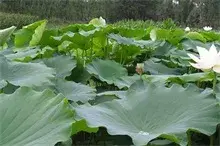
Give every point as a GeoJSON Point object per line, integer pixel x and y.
{"type": "Point", "coordinates": [185, 12]}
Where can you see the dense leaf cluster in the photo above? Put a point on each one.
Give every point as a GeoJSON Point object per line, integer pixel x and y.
{"type": "Point", "coordinates": [55, 83]}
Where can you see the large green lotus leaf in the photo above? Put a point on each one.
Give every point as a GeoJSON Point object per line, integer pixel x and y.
{"type": "Point", "coordinates": [189, 44]}
{"type": "Point", "coordinates": [71, 90]}
{"type": "Point", "coordinates": [173, 36]}
{"type": "Point", "coordinates": [155, 68]}
{"type": "Point", "coordinates": [152, 110]}
{"type": "Point", "coordinates": [5, 34]}
{"type": "Point", "coordinates": [46, 52]}
{"type": "Point", "coordinates": [126, 54]}
{"type": "Point", "coordinates": [126, 81]}
{"type": "Point", "coordinates": [77, 27]}
{"type": "Point", "coordinates": [122, 40]}
{"type": "Point", "coordinates": [24, 74]}
{"type": "Point", "coordinates": [22, 38]}
{"type": "Point", "coordinates": [6, 52]}
{"type": "Point", "coordinates": [24, 55]}
{"type": "Point", "coordinates": [30, 35]}
{"type": "Point", "coordinates": [119, 94]}
{"type": "Point", "coordinates": [176, 35]}
{"type": "Point", "coordinates": [131, 32]}
{"type": "Point", "coordinates": [79, 75]}
{"type": "Point", "coordinates": [81, 125]}
{"type": "Point", "coordinates": [38, 33]}
{"type": "Point", "coordinates": [79, 40]}
{"type": "Point", "coordinates": [81, 35]}
{"type": "Point", "coordinates": [3, 83]}
{"type": "Point", "coordinates": [106, 70]}
{"type": "Point", "coordinates": [210, 35]}
{"type": "Point", "coordinates": [47, 40]}
{"type": "Point", "coordinates": [179, 57]}
{"type": "Point", "coordinates": [162, 48]}
{"type": "Point", "coordinates": [33, 118]}
{"type": "Point", "coordinates": [65, 46]}
{"type": "Point", "coordinates": [201, 77]}
{"type": "Point", "coordinates": [130, 41]}
{"type": "Point", "coordinates": [65, 36]}
{"type": "Point", "coordinates": [75, 91]}
{"type": "Point", "coordinates": [89, 33]}
{"type": "Point", "coordinates": [108, 96]}
{"type": "Point", "coordinates": [195, 36]}
{"type": "Point", "coordinates": [181, 79]}
{"type": "Point", "coordinates": [63, 65]}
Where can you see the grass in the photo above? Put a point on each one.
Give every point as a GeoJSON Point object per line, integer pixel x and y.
{"type": "Point", "coordinates": [20, 20]}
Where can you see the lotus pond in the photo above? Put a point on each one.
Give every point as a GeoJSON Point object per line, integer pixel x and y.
{"type": "Point", "coordinates": [97, 84]}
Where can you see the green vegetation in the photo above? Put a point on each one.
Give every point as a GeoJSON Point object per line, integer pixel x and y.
{"type": "Point", "coordinates": [141, 24]}
{"type": "Point", "coordinates": [7, 20]}
{"type": "Point", "coordinates": [19, 20]}
{"type": "Point", "coordinates": [77, 85]}
{"type": "Point", "coordinates": [193, 13]}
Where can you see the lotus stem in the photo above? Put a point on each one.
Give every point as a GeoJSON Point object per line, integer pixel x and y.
{"type": "Point", "coordinates": [141, 77]}
{"type": "Point", "coordinates": [214, 82]}
{"type": "Point", "coordinates": [189, 138]}
{"type": "Point", "coordinates": [218, 128]}
{"type": "Point", "coordinates": [106, 50]}
{"type": "Point", "coordinates": [212, 140]}
{"type": "Point", "coordinates": [91, 50]}
{"type": "Point", "coordinates": [218, 131]}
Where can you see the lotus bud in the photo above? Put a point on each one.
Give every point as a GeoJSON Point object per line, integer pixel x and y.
{"type": "Point", "coordinates": [207, 28]}
{"type": "Point", "coordinates": [140, 68]}
{"type": "Point", "coordinates": [102, 21]}
{"type": "Point", "coordinates": [187, 29]}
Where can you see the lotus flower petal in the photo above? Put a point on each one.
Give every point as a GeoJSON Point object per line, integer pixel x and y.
{"type": "Point", "coordinates": [213, 51]}
{"type": "Point", "coordinates": [216, 68]}
{"type": "Point", "coordinates": [195, 65]}
{"type": "Point", "coordinates": [193, 57]}
{"type": "Point", "coordinates": [202, 52]}
{"type": "Point", "coordinates": [218, 61]}
{"type": "Point", "coordinates": [102, 21]}
{"type": "Point", "coordinates": [206, 65]}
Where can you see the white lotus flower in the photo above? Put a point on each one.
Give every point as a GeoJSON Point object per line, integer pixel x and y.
{"type": "Point", "coordinates": [187, 29]}
{"type": "Point", "coordinates": [140, 68]}
{"type": "Point", "coordinates": [99, 22]}
{"type": "Point", "coordinates": [102, 21]}
{"type": "Point", "coordinates": [208, 59]}
{"type": "Point", "coordinates": [207, 28]}
{"type": "Point", "coordinates": [175, 2]}
{"type": "Point", "coordinates": [153, 35]}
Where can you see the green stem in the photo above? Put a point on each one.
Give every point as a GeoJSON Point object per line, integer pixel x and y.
{"type": "Point", "coordinates": [83, 58]}
{"type": "Point", "coordinates": [106, 50]}
{"type": "Point", "coordinates": [218, 131]}
{"type": "Point", "coordinates": [214, 92]}
{"type": "Point", "coordinates": [212, 140]}
{"type": "Point", "coordinates": [141, 77]}
{"type": "Point", "coordinates": [214, 82]}
{"type": "Point", "coordinates": [121, 58]}
{"type": "Point", "coordinates": [189, 138]}
{"type": "Point", "coordinates": [77, 56]}
{"type": "Point", "coordinates": [91, 50]}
